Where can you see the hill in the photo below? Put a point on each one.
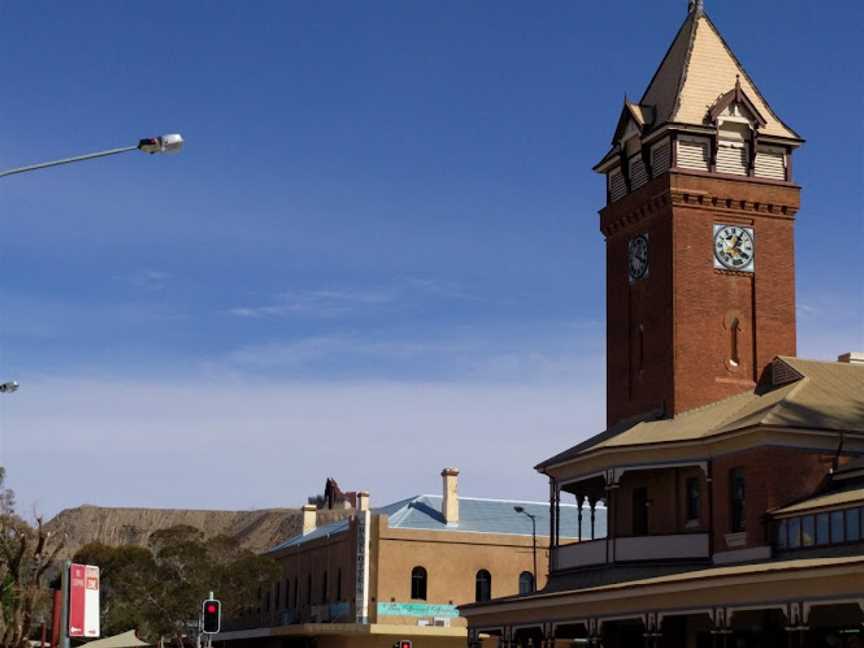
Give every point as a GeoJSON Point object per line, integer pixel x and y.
{"type": "Point", "coordinates": [256, 530]}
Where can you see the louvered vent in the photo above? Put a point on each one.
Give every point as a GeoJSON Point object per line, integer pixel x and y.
{"type": "Point", "coordinates": [617, 186]}
{"type": "Point", "coordinates": [771, 164]}
{"type": "Point", "coordinates": [783, 374]}
{"type": "Point", "coordinates": [732, 159]}
{"type": "Point", "coordinates": [661, 158]}
{"type": "Point", "coordinates": [693, 155]}
{"type": "Point", "coordinates": [638, 172]}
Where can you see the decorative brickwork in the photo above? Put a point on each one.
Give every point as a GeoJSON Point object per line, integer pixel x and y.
{"type": "Point", "coordinates": [669, 346]}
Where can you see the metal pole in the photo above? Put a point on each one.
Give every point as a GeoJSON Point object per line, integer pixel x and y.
{"type": "Point", "coordinates": [77, 158]}
{"type": "Point", "coordinates": [64, 616]}
{"type": "Point", "coordinates": [534, 547]}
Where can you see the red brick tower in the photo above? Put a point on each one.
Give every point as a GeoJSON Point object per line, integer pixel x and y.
{"type": "Point", "coordinates": [699, 233]}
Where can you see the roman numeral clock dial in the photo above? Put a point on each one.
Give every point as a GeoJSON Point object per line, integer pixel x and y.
{"type": "Point", "coordinates": [637, 258]}
{"type": "Point", "coordinates": [734, 248]}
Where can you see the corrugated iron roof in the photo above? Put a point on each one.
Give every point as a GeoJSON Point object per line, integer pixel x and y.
{"type": "Point", "coordinates": [828, 500]}
{"type": "Point", "coordinates": [828, 396]}
{"type": "Point", "coordinates": [476, 515]}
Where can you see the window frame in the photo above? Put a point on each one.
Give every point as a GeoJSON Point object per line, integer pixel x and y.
{"type": "Point", "coordinates": [419, 583]}
{"type": "Point", "coordinates": [532, 586]}
{"type": "Point", "coordinates": [737, 504]}
{"type": "Point", "coordinates": [482, 586]}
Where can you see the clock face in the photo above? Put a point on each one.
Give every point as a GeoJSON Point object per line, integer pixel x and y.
{"type": "Point", "coordinates": [637, 257]}
{"type": "Point", "coordinates": [734, 248]}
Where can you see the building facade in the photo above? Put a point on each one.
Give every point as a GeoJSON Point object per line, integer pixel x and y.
{"type": "Point", "coordinates": [729, 467]}
{"type": "Point", "coordinates": [401, 571]}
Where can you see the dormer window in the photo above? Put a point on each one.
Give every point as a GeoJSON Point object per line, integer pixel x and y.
{"type": "Point", "coordinates": [733, 148]}
{"type": "Point", "coordinates": [638, 172]}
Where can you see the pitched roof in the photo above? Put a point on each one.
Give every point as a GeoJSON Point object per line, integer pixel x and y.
{"type": "Point", "coordinates": [476, 515]}
{"type": "Point", "coordinates": [827, 500]}
{"type": "Point", "coordinates": [488, 516]}
{"type": "Point", "coordinates": [823, 396]}
{"type": "Point", "coordinates": [698, 69]}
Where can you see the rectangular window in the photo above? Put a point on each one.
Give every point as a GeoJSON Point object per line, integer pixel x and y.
{"type": "Point", "coordinates": [822, 529]}
{"type": "Point", "coordinates": [794, 533]}
{"type": "Point", "coordinates": [837, 533]}
{"type": "Point", "coordinates": [737, 495]}
{"type": "Point", "coordinates": [781, 534]}
{"type": "Point", "coordinates": [808, 531]}
{"type": "Point", "coordinates": [277, 587]}
{"type": "Point", "coordinates": [853, 525]}
{"type": "Point", "coordinates": [640, 511]}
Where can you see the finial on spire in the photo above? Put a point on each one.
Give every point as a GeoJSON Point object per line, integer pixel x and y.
{"type": "Point", "coordinates": [696, 5]}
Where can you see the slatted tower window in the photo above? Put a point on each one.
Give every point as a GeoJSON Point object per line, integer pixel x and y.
{"type": "Point", "coordinates": [732, 158]}
{"type": "Point", "coordinates": [638, 172]}
{"type": "Point", "coordinates": [617, 185]}
{"type": "Point", "coordinates": [693, 154]}
{"type": "Point", "coordinates": [661, 158]}
{"type": "Point", "coordinates": [771, 163]}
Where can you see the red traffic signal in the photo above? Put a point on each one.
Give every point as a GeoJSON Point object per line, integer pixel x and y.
{"type": "Point", "coordinates": [403, 643]}
{"type": "Point", "coordinates": [211, 616]}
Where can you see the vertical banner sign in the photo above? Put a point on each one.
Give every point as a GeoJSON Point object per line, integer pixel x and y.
{"type": "Point", "coordinates": [83, 601]}
{"type": "Point", "coordinates": [362, 577]}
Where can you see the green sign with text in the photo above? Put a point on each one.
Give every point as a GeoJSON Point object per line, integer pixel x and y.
{"type": "Point", "coordinates": [417, 610]}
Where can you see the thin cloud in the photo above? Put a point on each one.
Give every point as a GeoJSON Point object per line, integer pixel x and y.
{"type": "Point", "coordinates": [317, 303]}
{"type": "Point", "coordinates": [149, 280]}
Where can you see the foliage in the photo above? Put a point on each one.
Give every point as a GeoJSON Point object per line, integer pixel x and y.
{"type": "Point", "coordinates": [158, 588]}
{"type": "Point", "coordinates": [27, 552]}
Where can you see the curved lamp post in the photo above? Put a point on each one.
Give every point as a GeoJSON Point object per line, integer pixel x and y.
{"type": "Point", "coordinates": [521, 509]}
{"type": "Point", "coordinates": [165, 144]}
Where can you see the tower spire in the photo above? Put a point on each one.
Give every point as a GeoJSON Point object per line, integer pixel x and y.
{"type": "Point", "coordinates": [695, 5]}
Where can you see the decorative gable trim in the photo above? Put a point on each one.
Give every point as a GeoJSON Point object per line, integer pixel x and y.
{"type": "Point", "coordinates": [735, 96]}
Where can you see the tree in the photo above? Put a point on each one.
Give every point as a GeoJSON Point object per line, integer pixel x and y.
{"type": "Point", "coordinates": [27, 552]}
{"type": "Point", "coordinates": [158, 588]}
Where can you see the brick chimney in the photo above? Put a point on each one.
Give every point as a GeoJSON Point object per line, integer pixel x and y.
{"type": "Point", "coordinates": [852, 358]}
{"type": "Point", "coordinates": [363, 501]}
{"type": "Point", "coordinates": [450, 499]}
{"type": "Point", "coordinates": [310, 516]}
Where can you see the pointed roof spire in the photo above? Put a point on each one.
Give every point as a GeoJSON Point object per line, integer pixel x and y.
{"type": "Point", "coordinates": [698, 69]}
{"type": "Point", "coordinates": [695, 5]}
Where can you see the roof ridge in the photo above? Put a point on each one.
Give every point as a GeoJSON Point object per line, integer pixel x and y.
{"type": "Point", "coordinates": [666, 56]}
{"type": "Point", "coordinates": [686, 67]}
{"type": "Point", "coordinates": [494, 499]}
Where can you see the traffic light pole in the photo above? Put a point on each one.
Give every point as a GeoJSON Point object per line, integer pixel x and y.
{"type": "Point", "coordinates": [64, 614]}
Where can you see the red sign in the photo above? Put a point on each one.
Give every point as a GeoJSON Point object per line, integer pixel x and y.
{"type": "Point", "coordinates": [83, 601]}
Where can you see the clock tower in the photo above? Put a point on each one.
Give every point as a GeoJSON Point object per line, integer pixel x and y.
{"type": "Point", "coordinates": [699, 222]}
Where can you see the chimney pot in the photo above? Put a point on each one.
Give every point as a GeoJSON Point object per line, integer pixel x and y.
{"type": "Point", "coordinates": [310, 518]}
{"type": "Point", "coordinates": [363, 501]}
{"type": "Point", "coordinates": [852, 358]}
{"type": "Point", "coordinates": [450, 498]}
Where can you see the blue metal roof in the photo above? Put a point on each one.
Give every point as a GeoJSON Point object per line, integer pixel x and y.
{"type": "Point", "coordinates": [476, 515]}
{"type": "Point", "coordinates": [479, 515]}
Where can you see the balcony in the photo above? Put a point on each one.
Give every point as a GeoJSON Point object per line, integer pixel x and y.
{"type": "Point", "coordinates": [631, 549]}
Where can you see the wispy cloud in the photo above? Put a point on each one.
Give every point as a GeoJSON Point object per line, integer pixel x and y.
{"type": "Point", "coordinates": [317, 303]}
{"type": "Point", "coordinates": [148, 279]}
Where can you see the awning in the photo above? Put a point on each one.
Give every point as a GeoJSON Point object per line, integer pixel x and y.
{"type": "Point", "coordinates": [125, 640]}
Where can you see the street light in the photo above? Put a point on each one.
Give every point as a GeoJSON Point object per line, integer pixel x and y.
{"type": "Point", "coordinates": [165, 144]}
{"type": "Point", "coordinates": [521, 509]}
{"type": "Point", "coordinates": [171, 143]}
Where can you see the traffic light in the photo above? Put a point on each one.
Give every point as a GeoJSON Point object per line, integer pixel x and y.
{"type": "Point", "coordinates": [211, 616]}
{"type": "Point", "coordinates": [403, 643]}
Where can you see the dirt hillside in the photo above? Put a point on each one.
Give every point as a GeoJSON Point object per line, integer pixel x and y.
{"type": "Point", "coordinates": [257, 530]}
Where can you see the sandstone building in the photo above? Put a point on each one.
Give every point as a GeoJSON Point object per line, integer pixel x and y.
{"type": "Point", "coordinates": [401, 571]}
{"type": "Point", "coordinates": [731, 469]}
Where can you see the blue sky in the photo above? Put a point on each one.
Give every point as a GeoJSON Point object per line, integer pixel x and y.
{"type": "Point", "coordinates": [378, 254]}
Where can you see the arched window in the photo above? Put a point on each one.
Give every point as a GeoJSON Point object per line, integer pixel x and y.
{"type": "Point", "coordinates": [526, 582]}
{"type": "Point", "coordinates": [734, 334]}
{"type": "Point", "coordinates": [483, 586]}
{"type": "Point", "coordinates": [418, 583]}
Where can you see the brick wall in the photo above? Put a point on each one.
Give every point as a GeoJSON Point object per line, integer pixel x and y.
{"type": "Point", "coordinates": [774, 477]}
{"type": "Point", "coordinates": [685, 306]}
